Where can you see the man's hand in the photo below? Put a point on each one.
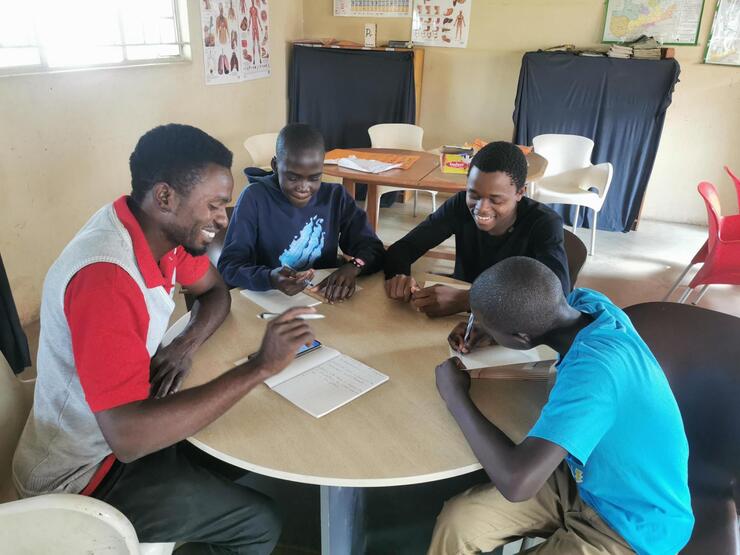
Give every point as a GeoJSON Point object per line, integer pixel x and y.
{"type": "Point", "coordinates": [340, 284]}
{"type": "Point", "coordinates": [169, 367]}
{"type": "Point", "coordinates": [289, 281]}
{"type": "Point", "coordinates": [440, 300]}
{"type": "Point", "coordinates": [401, 287]}
{"type": "Point", "coordinates": [283, 337]}
{"type": "Point", "coordinates": [477, 338]}
{"type": "Point", "coordinates": [453, 380]}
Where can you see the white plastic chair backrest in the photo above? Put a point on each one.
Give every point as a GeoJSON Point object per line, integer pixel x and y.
{"type": "Point", "coordinates": [16, 397]}
{"type": "Point", "coordinates": [261, 149]}
{"type": "Point", "coordinates": [563, 152]}
{"type": "Point", "coordinates": [396, 135]}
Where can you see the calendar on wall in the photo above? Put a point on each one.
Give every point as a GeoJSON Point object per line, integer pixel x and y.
{"type": "Point", "coordinates": [372, 8]}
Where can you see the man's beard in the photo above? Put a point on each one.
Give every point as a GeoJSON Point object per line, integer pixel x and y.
{"type": "Point", "coordinates": [182, 238]}
{"type": "Point", "coordinates": [195, 252]}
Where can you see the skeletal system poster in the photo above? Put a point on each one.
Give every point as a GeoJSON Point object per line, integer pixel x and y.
{"type": "Point", "coordinates": [235, 40]}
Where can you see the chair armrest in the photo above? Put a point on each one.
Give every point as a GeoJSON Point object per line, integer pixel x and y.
{"type": "Point", "coordinates": [597, 176]}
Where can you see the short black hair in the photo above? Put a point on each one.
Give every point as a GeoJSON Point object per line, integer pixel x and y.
{"type": "Point", "coordinates": [296, 137]}
{"type": "Point", "coordinates": [517, 295]}
{"type": "Point", "coordinates": [501, 156]}
{"type": "Point", "coordinates": [175, 154]}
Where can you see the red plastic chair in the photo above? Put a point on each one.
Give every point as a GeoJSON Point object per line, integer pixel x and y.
{"type": "Point", "coordinates": [736, 181]}
{"type": "Point", "coordinates": [722, 260]}
{"type": "Point", "coordinates": [701, 254]}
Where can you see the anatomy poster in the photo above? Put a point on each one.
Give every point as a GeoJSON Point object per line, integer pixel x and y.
{"type": "Point", "coordinates": [235, 40]}
{"type": "Point", "coordinates": [441, 23]}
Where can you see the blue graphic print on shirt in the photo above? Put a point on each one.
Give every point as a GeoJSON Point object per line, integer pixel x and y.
{"type": "Point", "coordinates": [306, 247]}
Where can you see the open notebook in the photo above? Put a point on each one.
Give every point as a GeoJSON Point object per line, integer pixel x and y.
{"type": "Point", "coordinates": [499, 362]}
{"type": "Point", "coordinates": [324, 380]}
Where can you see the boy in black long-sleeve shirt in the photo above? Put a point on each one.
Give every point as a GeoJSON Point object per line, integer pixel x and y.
{"type": "Point", "coordinates": [491, 220]}
{"type": "Point", "coordinates": [289, 223]}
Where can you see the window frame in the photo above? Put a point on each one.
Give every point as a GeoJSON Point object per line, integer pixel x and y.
{"type": "Point", "coordinates": [182, 41]}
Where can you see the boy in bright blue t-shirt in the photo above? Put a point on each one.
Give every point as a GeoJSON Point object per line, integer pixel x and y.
{"type": "Point", "coordinates": [611, 416]}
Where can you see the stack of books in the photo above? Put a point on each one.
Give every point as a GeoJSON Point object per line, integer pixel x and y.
{"type": "Point", "coordinates": [619, 51]}
{"type": "Point", "coordinates": [646, 48]}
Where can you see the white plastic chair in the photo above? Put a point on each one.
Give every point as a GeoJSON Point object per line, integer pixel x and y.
{"type": "Point", "coordinates": [403, 136]}
{"type": "Point", "coordinates": [565, 153]}
{"type": "Point", "coordinates": [586, 187]}
{"type": "Point", "coordinates": [261, 149]}
{"type": "Point", "coordinates": [60, 523]}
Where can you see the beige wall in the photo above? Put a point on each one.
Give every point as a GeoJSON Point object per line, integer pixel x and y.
{"type": "Point", "coordinates": [65, 140]}
{"type": "Point", "coordinates": [470, 92]}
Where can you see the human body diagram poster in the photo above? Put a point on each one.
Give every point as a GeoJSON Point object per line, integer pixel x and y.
{"type": "Point", "coordinates": [441, 23]}
{"type": "Point", "coordinates": [235, 40]}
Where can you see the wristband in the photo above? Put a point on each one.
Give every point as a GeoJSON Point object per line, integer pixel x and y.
{"type": "Point", "coordinates": [357, 262]}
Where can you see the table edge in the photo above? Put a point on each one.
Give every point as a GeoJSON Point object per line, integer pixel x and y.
{"type": "Point", "coordinates": [335, 482]}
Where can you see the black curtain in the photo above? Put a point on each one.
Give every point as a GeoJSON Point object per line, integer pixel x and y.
{"type": "Point", "coordinates": [13, 342]}
{"type": "Point", "coordinates": [343, 92]}
{"type": "Point", "coordinates": [619, 104]}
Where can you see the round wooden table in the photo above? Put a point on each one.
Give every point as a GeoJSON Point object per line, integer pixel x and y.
{"type": "Point", "coordinates": [424, 174]}
{"type": "Point", "coordinates": [398, 433]}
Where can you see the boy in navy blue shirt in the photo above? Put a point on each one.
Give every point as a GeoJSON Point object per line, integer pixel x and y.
{"type": "Point", "coordinates": [289, 223]}
{"type": "Point", "coordinates": [605, 467]}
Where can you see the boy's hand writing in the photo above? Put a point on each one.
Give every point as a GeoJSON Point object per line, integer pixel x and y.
{"type": "Point", "coordinates": [289, 281]}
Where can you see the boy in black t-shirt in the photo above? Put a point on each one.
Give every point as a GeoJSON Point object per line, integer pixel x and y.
{"type": "Point", "coordinates": [491, 220]}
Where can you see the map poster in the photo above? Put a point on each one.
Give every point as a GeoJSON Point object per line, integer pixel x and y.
{"type": "Point", "coordinates": [723, 47]}
{"type": "Point", "coordinates": [441, 23]}
{"type": "Point", "coordinates": [235, 40]}
{"type": "Point", "coordinates": [372, 8]}
{"type": "Point", "coordinates": [668, 21]}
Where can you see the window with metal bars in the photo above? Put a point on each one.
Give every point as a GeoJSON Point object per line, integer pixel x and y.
{"type": "Point", "coordinates": [54, 35]}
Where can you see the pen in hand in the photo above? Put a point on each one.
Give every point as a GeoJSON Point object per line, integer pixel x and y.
{"type": "Point", "coordinates": [468, 330]}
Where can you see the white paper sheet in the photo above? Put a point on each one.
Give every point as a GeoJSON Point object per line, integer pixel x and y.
{"type": "Point", "coordinates": [330, 385]}
{"type": "Point", "coordinates": [303, 364]}
{"type": "Point", "coordinates": [496, 355]}
{"type": "Point", "coordinates": [277, 301]}
{"type": "Point", "coordinates": [367, 166]}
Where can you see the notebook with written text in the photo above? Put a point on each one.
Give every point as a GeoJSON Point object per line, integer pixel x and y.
{"type": "Point", "coordinates": [324, 380]}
